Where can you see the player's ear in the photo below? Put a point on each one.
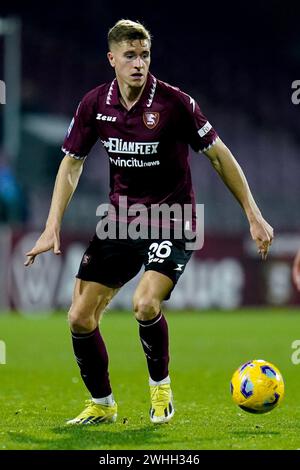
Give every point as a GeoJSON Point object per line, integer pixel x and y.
{"type": "Point", "coordinates": [111, 58]}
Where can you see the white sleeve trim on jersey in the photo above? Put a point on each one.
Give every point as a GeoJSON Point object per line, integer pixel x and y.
{"type": "Point", "coordinates": [209, 146]}
{"type": "Point", "coordinates": [77, 157]}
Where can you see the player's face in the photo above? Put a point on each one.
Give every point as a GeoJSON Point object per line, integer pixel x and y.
{"type": "Point", "coordinates": [131, 60]}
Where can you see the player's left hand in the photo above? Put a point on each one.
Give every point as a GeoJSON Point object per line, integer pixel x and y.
{"type": "Point", "coordinates": [262, 233]}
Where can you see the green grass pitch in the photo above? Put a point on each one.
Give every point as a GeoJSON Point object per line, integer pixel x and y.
{"type": "Point", "coordinates": [40, 386]}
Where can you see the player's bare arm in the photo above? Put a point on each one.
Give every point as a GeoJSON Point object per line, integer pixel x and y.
{"type": "Point", "coordinates": [296, 270]}
{"type": "Point", "coordinates": [231, 173]}
{"type": "Point", "coordinates": [66, 182]}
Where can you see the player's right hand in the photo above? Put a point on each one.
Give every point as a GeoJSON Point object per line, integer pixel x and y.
{"type": "Point", "coordinates": [296, 271]}
{"type": "Point", "coordinates": [262, 233]}
{"type": "Point", "coordinates": [49, 240]}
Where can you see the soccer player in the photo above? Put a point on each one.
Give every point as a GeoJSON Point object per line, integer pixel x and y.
{"type": "Point", "coordinates": [146, 127]}
{"type": "Point", "coordinates": [296, 271]}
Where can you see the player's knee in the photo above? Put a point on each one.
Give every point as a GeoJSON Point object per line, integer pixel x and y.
{"type": "Point", "coordinates": [79, 322]}
{"type": "Point", "coordinates": [145, 308]}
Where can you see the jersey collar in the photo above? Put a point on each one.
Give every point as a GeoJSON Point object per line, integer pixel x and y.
{"type": "Point", "coordinates": [112, 97]}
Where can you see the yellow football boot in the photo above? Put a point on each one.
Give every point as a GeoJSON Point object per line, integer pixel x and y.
{"type": "Point", "coordinates": [95, 414]}
{"type": "Point", "coordinates": [162, 408]}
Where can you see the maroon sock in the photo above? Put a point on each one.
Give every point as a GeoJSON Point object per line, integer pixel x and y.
{"type": "Point", "coordinates": [92, 359]}
{"type": "Point", "coordinates": [155, 341]}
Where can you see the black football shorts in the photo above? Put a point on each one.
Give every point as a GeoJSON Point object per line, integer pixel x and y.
{"type": "Point", "coordinates": [113, 262]}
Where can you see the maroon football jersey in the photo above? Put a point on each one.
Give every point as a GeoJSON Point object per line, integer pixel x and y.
{"type": "Point", "coordinates": [147, 146]}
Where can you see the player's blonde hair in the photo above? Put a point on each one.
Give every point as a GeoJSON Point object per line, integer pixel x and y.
{"type": "Point", "coordinates": [127, 30]}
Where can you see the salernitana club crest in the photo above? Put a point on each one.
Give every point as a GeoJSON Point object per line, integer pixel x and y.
{"type": "Point", "coordinates": [150, 119]}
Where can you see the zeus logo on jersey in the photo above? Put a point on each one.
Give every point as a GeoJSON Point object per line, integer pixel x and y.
{"type": "Point", "coordinates": [115, 145]}
{"type": "Point", "coordinates": [102, 117]}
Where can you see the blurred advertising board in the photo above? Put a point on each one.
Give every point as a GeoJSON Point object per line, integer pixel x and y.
{"type": "Point", "coordinates": [226, 274]}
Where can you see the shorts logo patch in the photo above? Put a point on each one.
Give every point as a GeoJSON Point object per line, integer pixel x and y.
{"type": "Point", "coordinates": [86, 259]}
{"type": "Point", "coordinates": [151, 119]}
{"type": "Point", "coordinates": [179, 267]}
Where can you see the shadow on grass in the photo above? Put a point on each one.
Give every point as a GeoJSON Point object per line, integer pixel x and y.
{"type": "Point", "coordinates": [108, 437]}
{"type": "Point", "coordinates": [102, 437]}
{"type": "Point", "coordinates": [94, 437]}
{"type": "Point", "coordinates": [255, 433]}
